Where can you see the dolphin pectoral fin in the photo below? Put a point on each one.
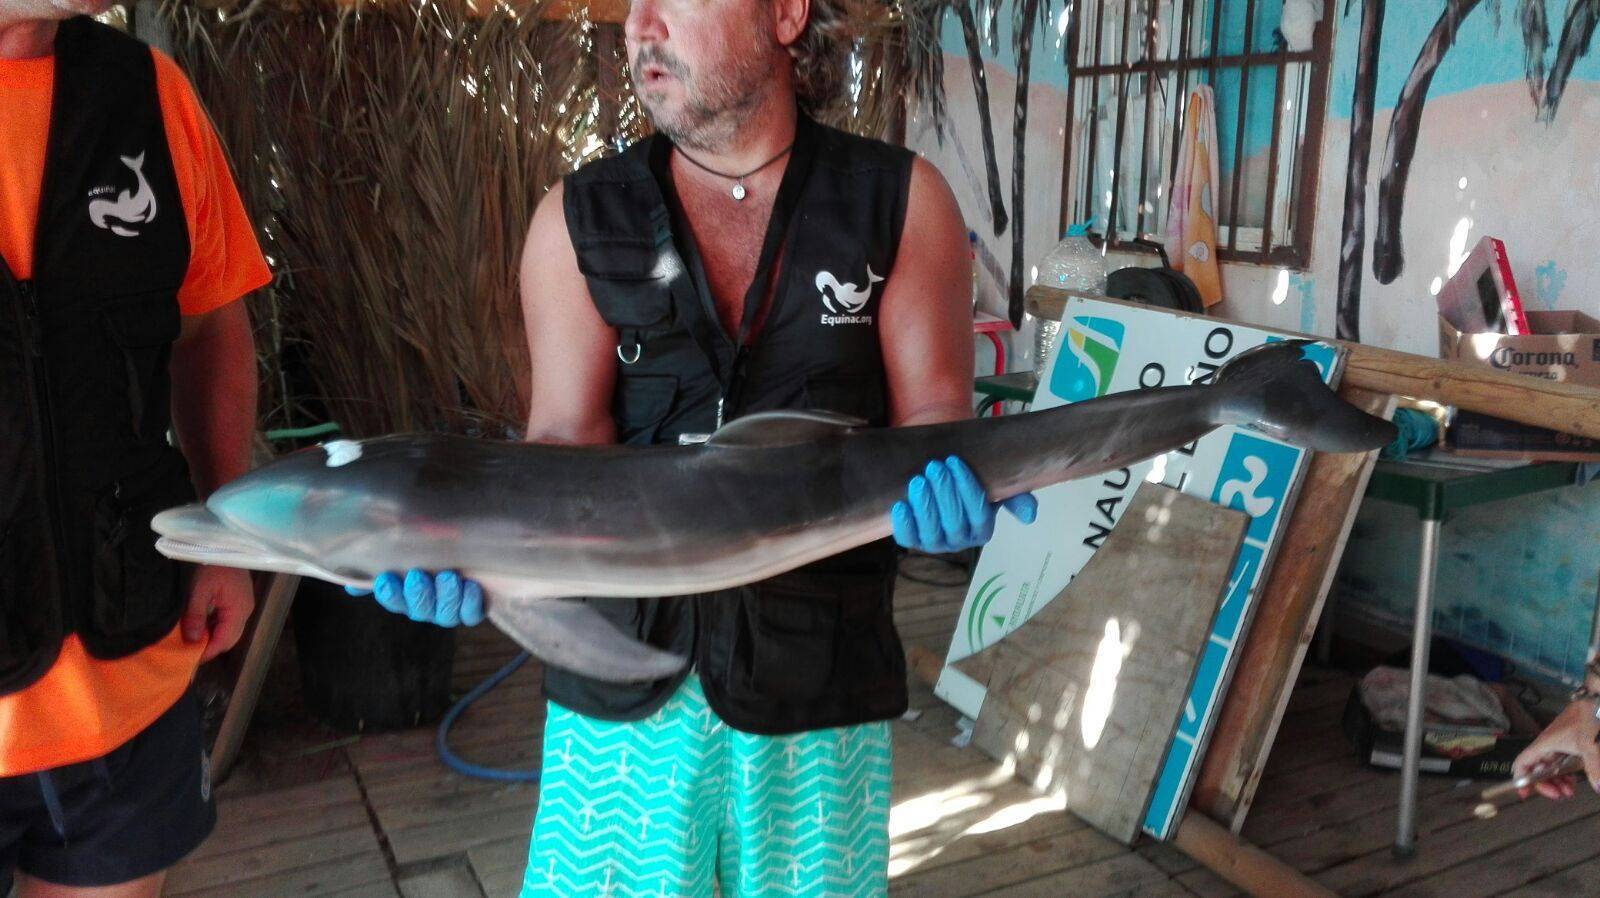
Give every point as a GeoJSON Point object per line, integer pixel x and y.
{"type": "Point", "coordinates": [570, 634]}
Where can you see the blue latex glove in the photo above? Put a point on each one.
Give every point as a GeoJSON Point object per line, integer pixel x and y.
{"type": "Point", "coordinates": [446, 600]}
{"type": "Point", "coordinates": [947, 510]}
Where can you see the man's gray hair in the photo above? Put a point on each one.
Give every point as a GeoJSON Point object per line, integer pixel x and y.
{"type": "Point", "coordinates": [821, 54]}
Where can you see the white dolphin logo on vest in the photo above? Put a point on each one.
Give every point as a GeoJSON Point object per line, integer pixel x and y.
{"type": "Point", "coordinates": [131, 207]}
{"type": "Point", "coordinates": [845, 299]}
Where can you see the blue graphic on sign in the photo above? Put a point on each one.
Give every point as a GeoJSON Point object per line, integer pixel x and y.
{"type": "Point", "coordinates": [1231, 612]}
{"type": "Point", "coordinates": [1207, 681]}
{"type": "Point", "coordinates": [1087, 357]}
{"type": "Point", "coordinates": [1165, 797]}
{"type": "Point", "coordinates": [1254, 478]}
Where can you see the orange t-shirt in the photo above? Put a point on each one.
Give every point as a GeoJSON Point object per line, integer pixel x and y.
{"type": "Point", "coordinates": [84, 707]}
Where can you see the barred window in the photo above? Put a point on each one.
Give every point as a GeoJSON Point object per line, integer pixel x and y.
{"type": "Point", "coordinates": [1131, 66]}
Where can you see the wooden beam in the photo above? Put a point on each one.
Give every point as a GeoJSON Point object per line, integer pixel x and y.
{"type": "Point", "coordinates": [1479, 388]}
{"type": "Point", "coordinates": [1289, 606]}
{"type": "Point", "coordinates": [1532, 400]}
{"type": "Point", "coordinates": [1241, 863]}
{"type": "Point", "coordinates": [262, 640]}
{"type": "Point", "coordinates": [925, 665]}
{"type": "Point", "coordinates": [253, 675]}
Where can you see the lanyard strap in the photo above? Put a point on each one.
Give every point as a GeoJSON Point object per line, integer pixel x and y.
{"type": "Point", "coordinates": [762, 295]}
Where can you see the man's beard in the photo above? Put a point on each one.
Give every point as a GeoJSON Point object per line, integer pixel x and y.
{"type": "Point", "coordinates": [715, 107]}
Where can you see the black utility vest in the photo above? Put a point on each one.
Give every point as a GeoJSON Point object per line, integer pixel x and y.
{"type": "Point", "coordinates": [815, 647]}
{"type": "Point", "coordinates": [84, 390]}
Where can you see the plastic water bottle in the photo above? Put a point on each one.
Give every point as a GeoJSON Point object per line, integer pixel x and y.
{"type": "Point", "coordinates": [1073, 264]}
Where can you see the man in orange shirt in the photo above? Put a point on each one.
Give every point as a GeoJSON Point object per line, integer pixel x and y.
{"type": "Point", "coordinates": [123, 251]}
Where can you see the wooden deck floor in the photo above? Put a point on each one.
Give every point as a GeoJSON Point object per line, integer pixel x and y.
{"type": "Point", "coordinates": [313, 814]}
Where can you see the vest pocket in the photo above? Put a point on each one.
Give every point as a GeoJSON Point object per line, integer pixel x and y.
{"type": "Point", "coordinates": [821, 632]}
{"type": "Point", "coordinates": [143, 327]}
{"type": "Point", "coordinates": [136, 588]}
{"type": "Point", "coordinates": [625, 282]}
{"type": "Point", "coordinates": [640, 404]}
{"type": "Point", "coordinates": [15, 646]}
{"type": "Point", "coordinates": [868, 642]}
{"type": "Point", "coordinates": [792, 626]}
{"type": "Point", "coordinates": [30, 615]}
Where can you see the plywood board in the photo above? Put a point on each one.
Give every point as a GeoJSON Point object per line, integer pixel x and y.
{"type": "Point", "coordinates": [1085, 697]}
{"type": "Point", "coordinates": [1109, 347]}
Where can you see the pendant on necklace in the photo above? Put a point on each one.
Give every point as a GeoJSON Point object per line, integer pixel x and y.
{"type": "Point", "coordinates": [738, 191]}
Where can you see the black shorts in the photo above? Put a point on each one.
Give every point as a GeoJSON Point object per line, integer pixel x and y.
{"type": "Point", "coordinates": [114, 819]}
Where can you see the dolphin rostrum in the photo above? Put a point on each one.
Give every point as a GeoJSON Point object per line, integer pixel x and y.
{"type": "Point", "coordinates": [539, 524]}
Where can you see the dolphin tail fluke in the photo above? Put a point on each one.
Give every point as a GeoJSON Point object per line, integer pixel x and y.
{"type": "Point", "coordinates": [570, 634]}
{"type": "Point", "coordinates": [1275, 389]}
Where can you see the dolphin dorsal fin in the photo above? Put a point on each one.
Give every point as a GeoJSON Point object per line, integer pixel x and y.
{"type": "Point", "coordinates": [784, 428]}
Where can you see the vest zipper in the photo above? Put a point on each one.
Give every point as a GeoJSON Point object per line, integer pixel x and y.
{"type": "Point", "coordinates": [38, 390]}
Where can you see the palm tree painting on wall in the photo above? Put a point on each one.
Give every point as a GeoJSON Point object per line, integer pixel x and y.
{"type": "Point", "coordinates": [1546, 86]}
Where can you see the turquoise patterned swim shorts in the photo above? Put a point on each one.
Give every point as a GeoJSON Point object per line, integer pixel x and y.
{"type": "Point", "coordinates": [665, 806]}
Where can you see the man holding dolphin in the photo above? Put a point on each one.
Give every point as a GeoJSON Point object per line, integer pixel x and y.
{"type": "Point", "coordinates": [744, 259]}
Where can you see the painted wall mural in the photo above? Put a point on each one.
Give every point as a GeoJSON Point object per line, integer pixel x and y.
{"type": "Point", "coordinates": [980, 89]}
{"type": "Point", "coordinates": [1544, 90]}
{"type": "Point", "coordinates": [926, 53]}
{"type": "Point", "coordinates": [1503, 103]}
{"type": "Point", "coordinates": [1353, 245]}
{"type": "Point", "coordinates": [1007, 65]}
{"type": "Point", "coordinates": [1475, 115]}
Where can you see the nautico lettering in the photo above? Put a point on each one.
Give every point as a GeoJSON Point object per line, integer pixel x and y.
{"type": "Point", "coordinates": [1118, 482]}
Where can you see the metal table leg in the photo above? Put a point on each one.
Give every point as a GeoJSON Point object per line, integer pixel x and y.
{"type": "Point", "coordinates": [1405, 838]}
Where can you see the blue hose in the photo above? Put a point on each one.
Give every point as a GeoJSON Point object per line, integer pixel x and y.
{"type": "Point", "coordinates": [467, 768]}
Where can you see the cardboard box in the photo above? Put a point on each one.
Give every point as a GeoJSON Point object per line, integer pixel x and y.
{"type": "Point", "coordinates": [1486, 756]}
{"type": "Point", "coordinates": [1564, 347]}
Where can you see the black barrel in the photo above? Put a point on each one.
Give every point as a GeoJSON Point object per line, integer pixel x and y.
{"type": "Point", "coordinates": [364, 669]}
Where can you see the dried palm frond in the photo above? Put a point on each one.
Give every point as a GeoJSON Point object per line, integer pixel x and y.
{"type": "Point", "coordinates": [393, 154]}
{"type": "Point", "coordinates": [921, 27]}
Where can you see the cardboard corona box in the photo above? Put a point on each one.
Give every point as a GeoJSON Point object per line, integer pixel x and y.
{"type": "Point", "coordinates": [1564, 347]}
